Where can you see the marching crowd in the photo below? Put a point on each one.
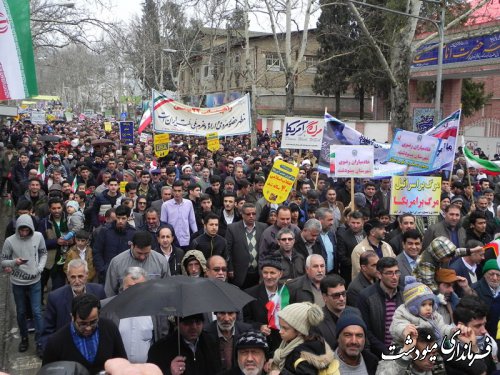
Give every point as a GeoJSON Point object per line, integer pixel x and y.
{"type": "Point", "coordinates": [339, 287]}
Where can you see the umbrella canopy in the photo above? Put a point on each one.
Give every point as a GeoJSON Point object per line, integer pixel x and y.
{"type": "Point", "coordinates": [177, 296]}
{"type": "Point", "coordinates": [50, 138]}
{"type": "Point", "coordinates": [102, 142]}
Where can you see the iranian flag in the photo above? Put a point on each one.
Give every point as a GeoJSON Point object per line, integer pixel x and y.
{"type": "Point", "coordinates": [491, 168]}
{"type": "Point", "coordinates": [159, 100]}
{"type": "Point", "coordinates": [41, 169]}
{"type": "Point", "coordinates": [74, 185]}
{"type": "Point", "coordinates": [278, 302]}
{"type": "Point", "coordinates": [17, 64]}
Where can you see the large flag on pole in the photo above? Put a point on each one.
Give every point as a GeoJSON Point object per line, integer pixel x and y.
{"type": "Point", "coordinates": [17, 64]}
{"type": "Point", "coordinates": [158, 101]}
{"type": "Point", "coordinates": [491, 168]}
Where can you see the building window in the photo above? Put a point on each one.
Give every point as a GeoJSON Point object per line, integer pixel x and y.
{"type": "Point", "coordinates": [311, 64]}
{"type": "Point", "coordinates": [206, 71]}
{"type": "Point", "coordinates": [273, 63]}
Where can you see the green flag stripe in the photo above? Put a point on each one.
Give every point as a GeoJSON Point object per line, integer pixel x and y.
{"type": "Point", "coordinates": [20, 15]}
{"type": "Point", "coordinates": [480, 163]}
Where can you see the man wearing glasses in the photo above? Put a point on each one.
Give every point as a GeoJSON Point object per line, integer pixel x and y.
{"type": "Point", "coordinates": [335, 296]}
{"type": "Point", "coordinates": [88, 339]}
{"type": "Point", "coordinates": [378, 302]}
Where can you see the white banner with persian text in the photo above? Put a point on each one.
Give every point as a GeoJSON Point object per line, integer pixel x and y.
{"type": "Point", "coordinates": [302, 133]}
{"type": "Point", "coordinates": [229, 119]}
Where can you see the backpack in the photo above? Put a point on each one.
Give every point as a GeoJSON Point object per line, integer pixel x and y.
{"type": "Point", "coordinates": [332, 369]}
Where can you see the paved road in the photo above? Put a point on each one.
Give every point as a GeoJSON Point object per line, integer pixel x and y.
{"type": "Point", "coordinates": [11, 361]}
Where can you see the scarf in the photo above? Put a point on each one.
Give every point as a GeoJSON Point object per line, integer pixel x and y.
{"type": "Point", "coordinates": [283, 351]}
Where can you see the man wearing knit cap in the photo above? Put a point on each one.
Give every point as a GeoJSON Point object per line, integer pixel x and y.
{"type": "Point", "coordinates": [488, 289]}
{"type": "Point", "coordinates": [252, 350]}
{"type": "Point", "coordinates": [351, 353]}
{"type": "Point", "coordinates": [439, 253]}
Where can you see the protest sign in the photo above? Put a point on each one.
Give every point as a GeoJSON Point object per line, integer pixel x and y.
{"type": "Point", "coordinates": [280, 181]}
{"type": "Point", "coordinates": [416, 195]}
{"type": "Point", "coordinates": [174, 117]}
{"type": "Point", "coordinates": [144, 137]}
{"type": "Point", "coordinates": [127, 132]}
{"type": "Point", "coordinates": [38, 118]}
{"type": "Point", "coordinates": [213, 141]}
{"type": "Point", "coordinates": [108, 126]}
{"type": "Point", "coordinates": [353, 161]}
{"type": "Point", "coordinates": [413, 149]}
{"type": "Point", "coordinates": [302, 133]}
{"type": "Point", "coordinates": [161, 144]}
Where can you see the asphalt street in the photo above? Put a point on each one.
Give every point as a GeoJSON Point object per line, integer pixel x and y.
{"type": "Point", "coordinates": [11, 361]}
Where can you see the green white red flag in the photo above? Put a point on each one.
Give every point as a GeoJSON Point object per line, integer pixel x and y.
{"type": "Point", "coordinates": [275, 304]}
{"type": "Point", "coordinates": [41, 169]}
{"type": "Point", "coordinates": [17, 63]}
{"type": "Point", "coordinates": [488, 167]}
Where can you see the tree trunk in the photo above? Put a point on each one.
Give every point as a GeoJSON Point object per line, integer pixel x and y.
{"type": "Point", "coordinates": [361, 94]}
{"type": "Point", "coordinates": [337, 103]}
{"type": "Point", "coordinates": [400, 103]}
{"type": "Point", "coordinates": [290, 92]}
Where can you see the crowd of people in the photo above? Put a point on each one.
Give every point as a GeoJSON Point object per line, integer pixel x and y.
{"type": "Point", "coordinates": [339, 285]}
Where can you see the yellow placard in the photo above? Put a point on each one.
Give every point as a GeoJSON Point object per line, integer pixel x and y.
{"type": "Point", "coordinates": [122, 186]}
{"type": "Point", "coordinates": [161, 144]}
{"type": "Point", "coordinates": [108, 126]}
{"type": "Point", "coordinates": [213, 141]}
{"type": "Point", "coordinates": [280, 181]}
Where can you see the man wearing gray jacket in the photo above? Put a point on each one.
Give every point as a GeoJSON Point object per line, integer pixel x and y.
{"type": "Point", "coordinates": [23, 256]}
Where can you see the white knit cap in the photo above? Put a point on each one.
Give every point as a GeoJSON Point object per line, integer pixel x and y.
{"type": "Point", "coordinates": [301, 316]}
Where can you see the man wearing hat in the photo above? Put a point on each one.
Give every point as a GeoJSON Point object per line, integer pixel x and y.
{"type": "Point", "coordinates": [351, 353]}
{"type": "Point", "coordinates": [488, 289]}
{"type": "Point", "coordinates": [446, 279]}
{"type": "Point", "coordinates": [196, 355]}
{"type": "Point", "coordinates": [375, 233]}
{"type": "Point", "coordinates": [252, 350]}
{"type": "Point", "coordinates": [256, 312]}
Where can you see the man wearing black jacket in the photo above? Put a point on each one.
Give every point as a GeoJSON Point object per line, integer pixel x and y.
{"type": "Point", "coordinates": [210, 243]}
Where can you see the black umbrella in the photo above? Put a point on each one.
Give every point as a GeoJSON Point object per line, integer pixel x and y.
{"type": "Point", "coordinates": [102, 142]}
{"type": "Point", "coordinates": [177, 296]}
{"type": "Point", "coordinates": [50, 138]}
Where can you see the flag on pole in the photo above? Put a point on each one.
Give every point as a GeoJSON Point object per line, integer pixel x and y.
{"type": "Point", "coordinates": [491, 168]}
{"type": "Point", "coordinates": [41, 169]}
{"type": "Point", "coordinates": [159, 100]}
{"type": "Point", "coordinates": [17, 63]}
{"type": "Point", "coordinates": [74, 184]}
{"type": "Point", "coordinates": [277, 303]}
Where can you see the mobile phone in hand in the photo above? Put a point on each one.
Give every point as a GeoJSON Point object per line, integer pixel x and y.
{"type": "Point", "coordinates": [24, 261]}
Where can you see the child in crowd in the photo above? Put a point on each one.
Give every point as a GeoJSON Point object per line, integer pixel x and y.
{"type": "Point", "coordinates": [75, 219]}
{"type": "Point", "coordinates": [418, 311]}
{"type": "Point", "coordinates": [81, 250]}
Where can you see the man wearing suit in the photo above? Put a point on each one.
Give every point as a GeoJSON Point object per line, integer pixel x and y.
{"type": "Point", "coordinates": [327, 240]}
{"type": "Point", "coordinates": [256, 312]}
{"type": "Point", "coordinates": [347, 239]}
{"type": "Point", "coordinates": [407, 260]}
{"type": "Point", "coordinates": [58, 310]}
{"type": "Point", "coordinates": [307, 242]}
{"type": "Point", "coordinates": [306, 288]}
{"type": "Point", "coordinates": [366, 277]}
{"type": "Point", "coordinates": [225, 331]}
{"type": "Point", "coordinates": [450, 228]}
{"type": "Point", "coordinates": [243, 241]}
{"type": "Point", "coordinates": [166, 194]}
{"type": "Point", "coordinates": [334, 294]}
{"type": "Point", "coordinates": [469, 266]}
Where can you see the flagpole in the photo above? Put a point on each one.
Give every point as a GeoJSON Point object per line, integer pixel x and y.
{"type": "Point", "coordinates": [455, 146]}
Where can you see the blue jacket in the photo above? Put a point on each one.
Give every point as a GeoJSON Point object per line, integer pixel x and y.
{"type": "Point", "coordinates": [109, 243]}
{"type": "Point", "coordinates": [58, 311]}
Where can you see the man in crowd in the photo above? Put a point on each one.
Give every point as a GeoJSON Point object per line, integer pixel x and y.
{"type": "Point", "coordinates": [243, 241]}
{"type": "Point", "coordinates": [216, 268]}
{"type": "Point", "coordinates": [173, 254]}
{"type": "Point", "coordinates": [139, 255]}
{"type": "Point", "coordinates": [395, 237]}
{"type": "Point", "coordinates": [307, 288]}
{"type": "Point", "coordinates": [251, 352]}
{"type": "Point", "coordinates": [367, 276]}
{"type": "Point", "coordinates": [327, 239]}
{"type": "Point", "coordinates": [347, 239]}
{"type": "Point", "coordinates": [209, 242]}
{"type": "Point", "coordinates": [293, 263]}
{"type": "Point", "coordinates": [407, 259]}
{"type": "Point", "coordinates": [89, 339]}
{"type": "Point", "coordinates": [229, 214]}
{"type": "Point", "coordinates": [179, 213]}
{"type": "Point", "coordinates": [58, 310]}
{"type": "Point", "coordinates": [450, 228]}
{"type": "Point", "coordinates": [307, 243]}
{"type": "Point", "coordinates": [378, 303]}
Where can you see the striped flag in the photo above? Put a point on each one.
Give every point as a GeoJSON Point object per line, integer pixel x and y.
{"type": "Point", "coordinates": [159, 100]}
{"type": "Point", "coordinates": [491, 168]}
{"type": "Point", "coordinates": [74, 184]}
{"type": "Point", "coordinates": [17, 63]}
{"type": "Point", "coordinates": [41, 169]}
{"type": "Point", "coordinates": [276, 304]}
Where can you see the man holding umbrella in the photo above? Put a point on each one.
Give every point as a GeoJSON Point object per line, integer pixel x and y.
{"type": "Point", "coordinates": [195, 353]}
